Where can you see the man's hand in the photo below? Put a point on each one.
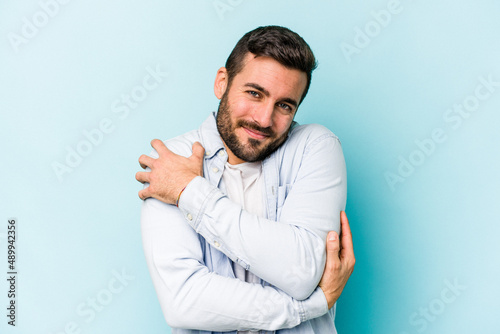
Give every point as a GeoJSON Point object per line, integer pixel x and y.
{"type": "Point", "coordinates": [170, 173]}
{"type": "Point", "coordinates": [339, 262]}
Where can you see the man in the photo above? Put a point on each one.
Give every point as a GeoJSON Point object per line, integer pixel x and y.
{"type": "Point", "coordinates": [236, 213]}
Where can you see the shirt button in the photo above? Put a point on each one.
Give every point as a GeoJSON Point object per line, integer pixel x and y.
{"type": "Point", "coordinates": [189, 217]}
{"type": "Point", "coordinates": [222, 153]}
{"type": "Point", "coordinates": [207, 153]}
{"type": "Point", "coordinates": [215, 170]}
{"type": "Point", "coordinates": [216, 244]}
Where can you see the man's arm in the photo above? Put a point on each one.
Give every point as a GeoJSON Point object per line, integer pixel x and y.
{"type": "Point", "coordinates": [340, 262]}
{"type": "Point", "coordinates": [290, 253]}
{"type": "Point", "coordinates": [193, 297]}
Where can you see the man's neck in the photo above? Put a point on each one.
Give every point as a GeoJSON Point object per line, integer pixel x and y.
{"type": "Point", "coordinates": [231, 158]}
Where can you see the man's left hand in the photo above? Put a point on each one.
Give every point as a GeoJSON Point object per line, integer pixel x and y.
{"type": "Point", "coordinates": [340, 262]}
{"type": "Point", "coordinates": [170, 173]}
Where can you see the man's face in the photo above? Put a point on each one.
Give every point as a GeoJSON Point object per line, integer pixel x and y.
{"type": "Point", "coordinates": [257, 110]}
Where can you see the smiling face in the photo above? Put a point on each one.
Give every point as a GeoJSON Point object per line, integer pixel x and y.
{"type": "Point", "coordinates": [257, 109]}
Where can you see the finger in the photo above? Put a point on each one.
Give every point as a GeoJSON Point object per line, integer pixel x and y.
{"type": "Point", "coordinates": [346, 237]}
{"type": "Point", "coordinates": [144, 193]}
{"type": "Point", "coordinates": [198, 150]}
{"type": "Point", "coordinates": [332, 249]}
{"type": "Point", "coordinates": [146, 161]}
{"type": "Point", "coordinates": [142, 177]}
{"type": "Point", "coordinates": [160, 147]}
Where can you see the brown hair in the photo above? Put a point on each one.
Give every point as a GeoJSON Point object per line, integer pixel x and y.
{"type": "Point", "coordinates": [279, 43]}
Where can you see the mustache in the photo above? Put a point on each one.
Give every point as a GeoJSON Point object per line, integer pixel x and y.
{"type": "Point", "coordinates": [256, 127]}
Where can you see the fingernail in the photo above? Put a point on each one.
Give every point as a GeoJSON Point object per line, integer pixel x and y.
{"type": "Point", "coordinates": [332, 236]}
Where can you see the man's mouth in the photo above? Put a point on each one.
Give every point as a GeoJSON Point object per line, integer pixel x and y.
{"type": "Point", "coordinates": [255, 133]}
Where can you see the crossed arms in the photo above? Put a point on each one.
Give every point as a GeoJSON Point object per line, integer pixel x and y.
{"type": "Point", "coordinates": [194, 297]}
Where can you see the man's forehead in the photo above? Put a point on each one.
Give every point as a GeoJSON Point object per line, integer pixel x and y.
{"type": "Point", "coordinates": [252, 65]}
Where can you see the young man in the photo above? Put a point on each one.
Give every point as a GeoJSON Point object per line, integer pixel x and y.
{"type": "Point", "coordinates": [236, 213]}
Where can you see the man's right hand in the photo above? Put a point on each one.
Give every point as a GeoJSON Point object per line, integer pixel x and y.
{"type": "Point", "coordinates": [339, 262]}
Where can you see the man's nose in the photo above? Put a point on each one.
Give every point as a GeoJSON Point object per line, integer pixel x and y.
{"type": "Point", "coordinates": [263, 115]}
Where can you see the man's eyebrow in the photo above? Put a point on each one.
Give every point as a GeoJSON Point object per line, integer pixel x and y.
{"type": "Point", "coordinates": [266, 93]}
{"type": "Point", "coordinates": [291, 101]}
{"type": "Point", "coordinates": [257, 87]}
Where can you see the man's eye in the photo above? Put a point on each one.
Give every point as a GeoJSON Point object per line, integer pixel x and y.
{"type": "Point", "coordinates": [285, 106]}
{"type": "Point", "coordinates": [253, 93]}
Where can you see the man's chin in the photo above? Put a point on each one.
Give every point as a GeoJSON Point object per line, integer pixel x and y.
{"type": "Point", "coordinates": [249, 152]}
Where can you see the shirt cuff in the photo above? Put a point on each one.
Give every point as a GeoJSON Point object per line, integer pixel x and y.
{"type": "Point", "coordinates": [194, 200]}
{"type": "Point", "coordinates": [314, 306]}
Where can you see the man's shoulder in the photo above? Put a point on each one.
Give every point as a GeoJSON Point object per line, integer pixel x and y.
{"type": "Point", "coordinates": [207, 135]}
{"type": "Point", "coordinates": [181, 145]}
{"type": "Point", "coordinates": [304, 139]}
{"type": "Point", "coordinates": [309, 134]}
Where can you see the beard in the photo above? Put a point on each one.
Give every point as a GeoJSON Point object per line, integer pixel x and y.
{"type": "Point", "coordinates": [254, 149]}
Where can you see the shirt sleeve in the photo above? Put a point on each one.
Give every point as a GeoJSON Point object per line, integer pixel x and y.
{"type": "Point", "coordinates": [290, 253]}
{"type": "Point", "coordinates": [193, 297]}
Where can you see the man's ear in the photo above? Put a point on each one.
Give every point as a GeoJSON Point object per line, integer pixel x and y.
{"type": "Point", "coordinates": [220, 84]}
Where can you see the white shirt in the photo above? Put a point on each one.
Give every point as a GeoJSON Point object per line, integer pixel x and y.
{"type": "Point", "coordinates": [189, 249]}
{"type": "Point", "coordinates": [244, 185]}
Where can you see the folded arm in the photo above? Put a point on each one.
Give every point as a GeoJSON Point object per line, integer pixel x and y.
{"type": "Point", "coordinates": [288, 253]}
{"type": "Point", "coordinates": [191, 296]}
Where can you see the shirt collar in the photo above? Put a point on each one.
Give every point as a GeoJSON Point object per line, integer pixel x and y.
{"type": "Point", "coordinates": [210, 137]}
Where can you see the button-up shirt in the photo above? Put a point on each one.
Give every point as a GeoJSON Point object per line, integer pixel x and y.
{"type": "Point", "coordinates": [189, 249]}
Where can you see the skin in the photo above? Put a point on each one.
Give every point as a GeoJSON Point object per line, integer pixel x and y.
{"type": "Point", "coordinates": [255, 115]}
{"type": "Point", "coordinates": [340, 262]}
{"type": "Point", "coordinates": [257, 111]}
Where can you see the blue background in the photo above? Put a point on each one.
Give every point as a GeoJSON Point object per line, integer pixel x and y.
{"type": "Point", "coordinates": [436, 226]}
